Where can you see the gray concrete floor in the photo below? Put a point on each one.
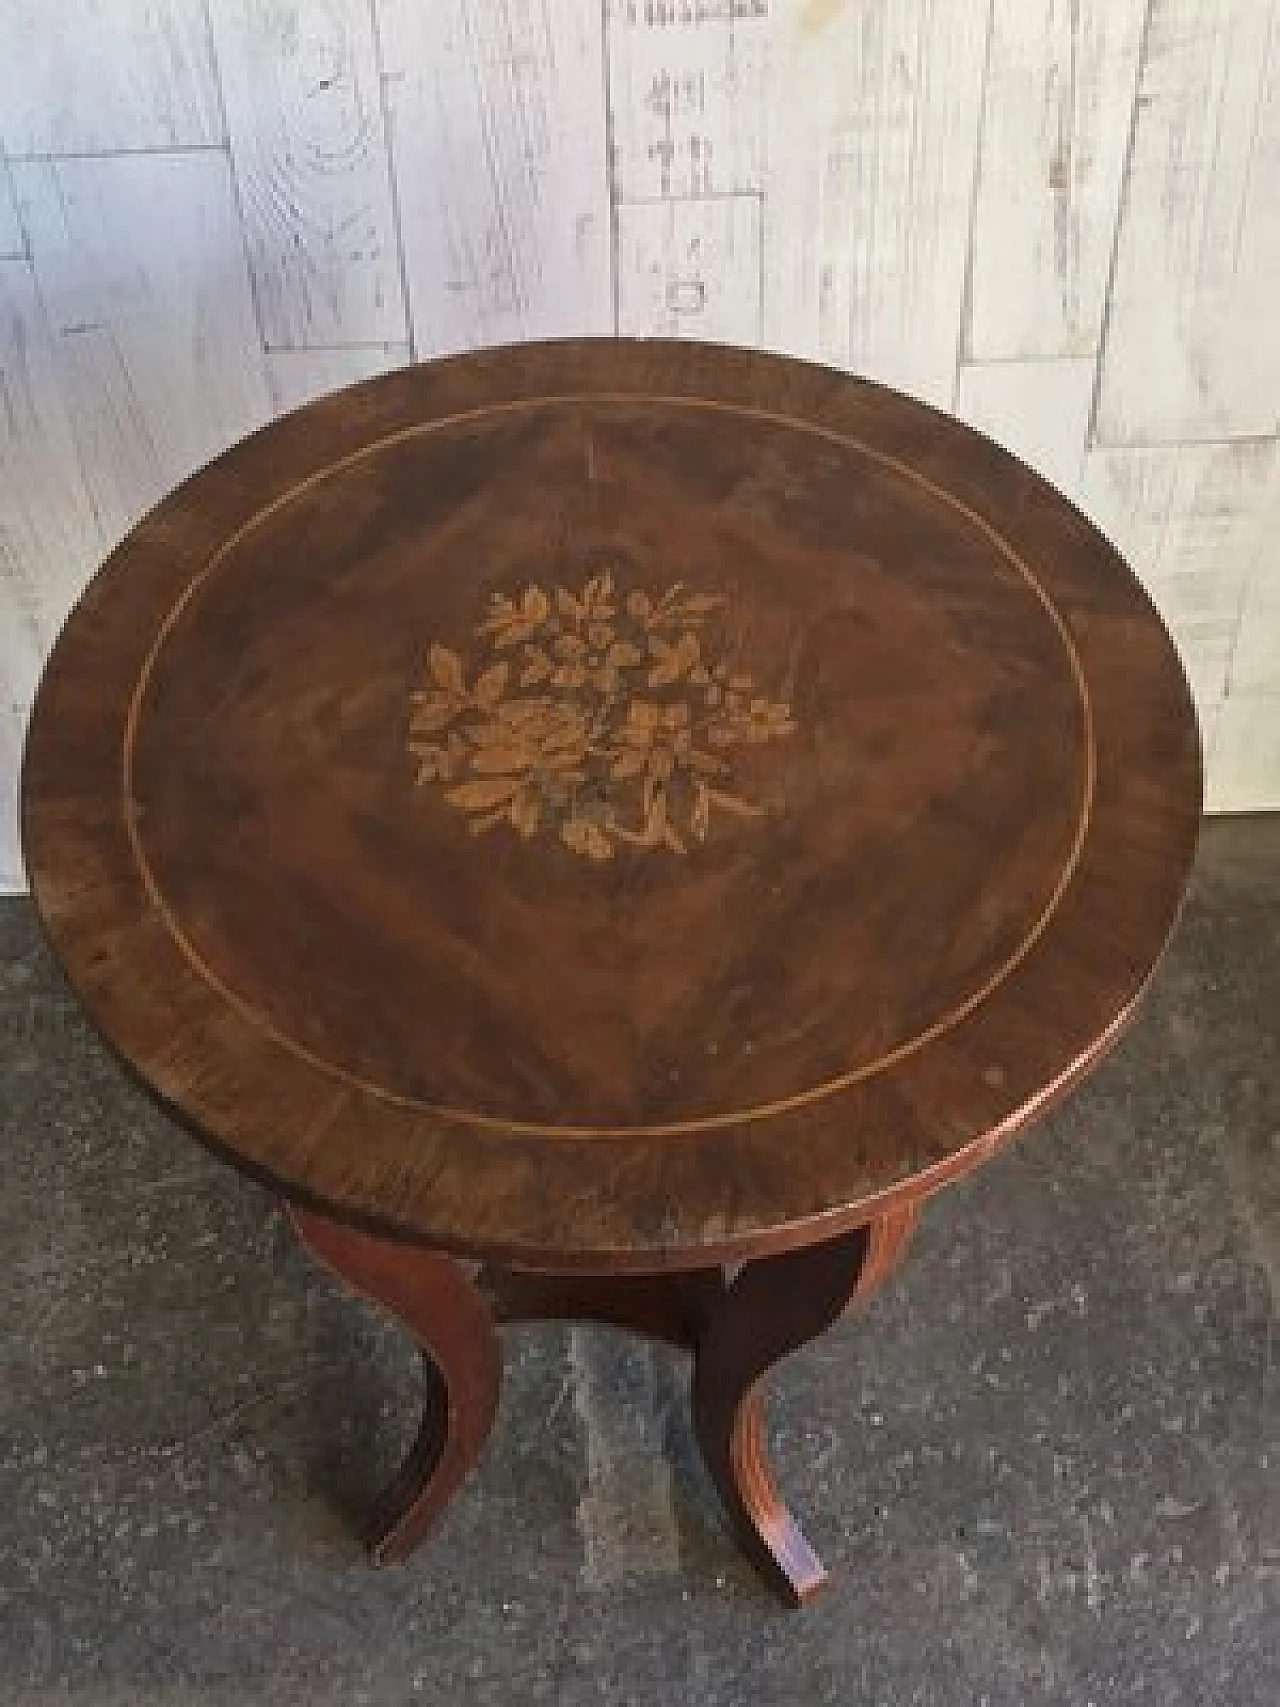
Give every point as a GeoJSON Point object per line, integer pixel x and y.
{"type": "Point", "coordinates": [1042, 1466]}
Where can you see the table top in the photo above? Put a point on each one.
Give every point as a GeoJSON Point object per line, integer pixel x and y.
{"type": "Point", "coordinates": [611, 803]}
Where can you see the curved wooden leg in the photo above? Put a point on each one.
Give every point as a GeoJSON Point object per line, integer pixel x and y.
{"type": "Point", "coordinates": [772, 1307]}
{"type": "Point", "coordinates": [435, 1298]}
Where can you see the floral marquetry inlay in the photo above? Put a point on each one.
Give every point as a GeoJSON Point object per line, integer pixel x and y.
{"type": "Point", "coordinates": [600, 717]}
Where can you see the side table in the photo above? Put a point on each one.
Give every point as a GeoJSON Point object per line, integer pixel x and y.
{"type": "Point", "coordinates": [604, 830]}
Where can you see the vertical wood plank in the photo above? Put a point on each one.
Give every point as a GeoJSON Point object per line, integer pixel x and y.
{"type": "Point", "coordinates": [1255, 662]}
{"type": "Point", "coordinates": [296, 376]}
{"type": "Point", "coordinates": [1193, 521]}
{"type": "Point", "coordinates": [498, 142]}
{"type": "Point", "coordinates": [140, 262]}
{"type": "Point", "coordinates": [50, 541]}
{"type": "Point", "coordinates": [688, 97]}
{"type": "Point", "coordinates": [304, 116]}
{"type": "Point", "coordinates": [1037, 409]}
{"type": "Point", "coordinates": [870, 185]}
{"type": "Point", "coordinates": [1245, 758]}
{"type": "Point", "coordinates": [1188, 351]}
{"type": "Point", "coordinates": [13, 722]}
{"type": "Point", "coordinates": [10, 228]}
{"type": "Point", "coordinates": [690, 269]}
{"type": "Point", "coordinates": [1244, 755]}
{"type": "Point", "coordinates": [86, 76]}
{"type": "Point", "coordinates": [1060, 91]}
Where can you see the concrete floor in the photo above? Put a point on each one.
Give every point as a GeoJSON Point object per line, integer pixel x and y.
{"type": "Point", "coordinates": [1043, 1466]}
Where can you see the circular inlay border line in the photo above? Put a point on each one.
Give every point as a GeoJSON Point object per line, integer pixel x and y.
{"type": "Point", "coordinates": [702, 1123]}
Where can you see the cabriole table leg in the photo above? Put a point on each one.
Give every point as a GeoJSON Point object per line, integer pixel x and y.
{"type": "Point", "coordinates": [736, 1326]}
{"type": "Point", "coordinates": [435, 1298]}
{"type": "Point", "coordinates": [771, 1308]}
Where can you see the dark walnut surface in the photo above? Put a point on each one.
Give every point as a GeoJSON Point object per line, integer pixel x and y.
{"type": "Point", "coordinates": [609, 803]}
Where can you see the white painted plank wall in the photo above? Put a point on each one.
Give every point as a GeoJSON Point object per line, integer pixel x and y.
{"type": "Point", "coordinates": [1056, 120]}
{"type": "Point", "coordinates": [309, 148]}
{"type": "Point", "coordinates": [49, 536]}
{"type": "Point", "coordinates": [1037, 409]}
{"type": "Point", "coordinates": [1191, 349]}
{"type": "Point", "coordinates": [141, 266]}
{"type": "Point", "coordinates": [497, 117]}
{"type": "Point", "coordinates": [1059, 218]}
{"type": "Point", "coordinates": [1200, 521]}
{"type": "Point", "coordinates": [690, 91]}
{"type": "Point", "coordinates": [689, 97]}
{"type": "Point", "coordinates": [96, 76]}
{"type": "Point", "coordinates": [296, 376]}
{"type": "Point", "coordinates": [12, 724]}
{"type": "Point", "coordinates": [873, 156]}
{"type": "Point", "coordinates": [1243, 752]}
{"type": "Point", "coordinates": [10, 229]}
{"type": "Point", "coordinates": [690, 268]}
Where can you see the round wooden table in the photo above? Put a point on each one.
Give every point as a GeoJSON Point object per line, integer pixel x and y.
{"type": "Point", "coordinates": [604, 830]}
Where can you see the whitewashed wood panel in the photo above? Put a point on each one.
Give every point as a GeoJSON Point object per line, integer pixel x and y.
{"type": "Point", "coordinates": [304, 115]}
{"type": "Point", "coordinates": [690, 269]}
{"type": "Point", "coordinates": [1255, 663]}
{"type": "Point", "coordinates": [1255, 660]}
{"type": "Point", "coordinates": [49, 536]}
{"type": "Point", "coordinates": [497, 118]}
{"type": "Point", "coordinates": [86, 76]}
{"type": "Point", "coordinates": [1188, 353]}
{"type": "Point", "coordinates": [1037, 409]}
{"type": "Point", "coordinates": [1060, 90]}
{"type": "Point", "coordinates": [140, 262]}
{"type": "Point", "coordinates": [296, 376]}
{"type": "Point", "coordinates": [13, 723]}
{"type": "Point", "coordinates": [1244, 755]}
{"type": "Point", "coordinates": [10, 228]}
{"type": "Point", "coordinates": [1192, 521]}
{"type": "Point", "coordinates": [688, 94]}
{"type": "Point", "coordinates": [870, 184]}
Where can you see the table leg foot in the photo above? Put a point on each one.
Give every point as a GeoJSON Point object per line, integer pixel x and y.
{"type": "Point", "coordinates": [772, 1307]}
{"type": "Point", "coordinates": [435, 1298]}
